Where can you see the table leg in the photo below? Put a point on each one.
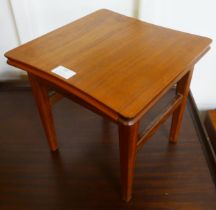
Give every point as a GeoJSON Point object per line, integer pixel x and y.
{"type": "Point", "coordinates": [183, 87]}
{"type": "Point", "coordinates": [40, 93]}
{"type": "Point", "coordinates": [127, 145]}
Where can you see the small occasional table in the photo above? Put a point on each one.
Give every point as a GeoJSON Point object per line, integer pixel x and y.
{"type": "Point", "coordinates": [116, 66]}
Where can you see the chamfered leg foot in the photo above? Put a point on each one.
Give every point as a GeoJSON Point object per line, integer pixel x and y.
{"type": "Point", "coordinates": [183, 87]}
{"type": "Point", "coordinates": [40, 92]}
{"type": "Point", "coordinates": [127, 145]}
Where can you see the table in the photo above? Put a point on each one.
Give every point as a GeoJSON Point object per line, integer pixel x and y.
{"type": "Point", "coordinates": [210, 125]}
{"type": "Point", "coordinates": [122, 67]}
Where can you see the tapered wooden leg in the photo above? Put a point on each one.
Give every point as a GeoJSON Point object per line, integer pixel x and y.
{"type": "Point", "coordinates": [127, 145]}
{"type": "Point", "coordinates": [40, 93]}
{"type": "Point", "coordinates": [183, 87]}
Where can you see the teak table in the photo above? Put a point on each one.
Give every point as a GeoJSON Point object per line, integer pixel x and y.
{"type": "Point", "coordinates": [122, 67]}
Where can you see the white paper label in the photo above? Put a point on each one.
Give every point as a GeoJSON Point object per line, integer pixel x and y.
{"type": "Point", "coordinates": [63, 72]}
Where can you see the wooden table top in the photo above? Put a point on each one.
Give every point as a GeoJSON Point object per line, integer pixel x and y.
{"type": "Point", "coordinates": [121, 62]}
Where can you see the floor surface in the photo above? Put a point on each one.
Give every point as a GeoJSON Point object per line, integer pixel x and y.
{"type": "Point", "coordinates": [84, 173]}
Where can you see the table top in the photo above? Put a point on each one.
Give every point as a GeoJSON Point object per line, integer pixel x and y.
{"type": "Point", "coordinates": [119, 61]}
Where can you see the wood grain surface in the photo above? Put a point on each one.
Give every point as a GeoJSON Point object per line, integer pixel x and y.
{"type": "Point", "coordinates": [212, 116]}
{"type": "Point", "coordinates": [84, 174]}
{"type": "Point", "coordinates": [121, 62]}
{"type": "Point", "coordinates": [210, 125]}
